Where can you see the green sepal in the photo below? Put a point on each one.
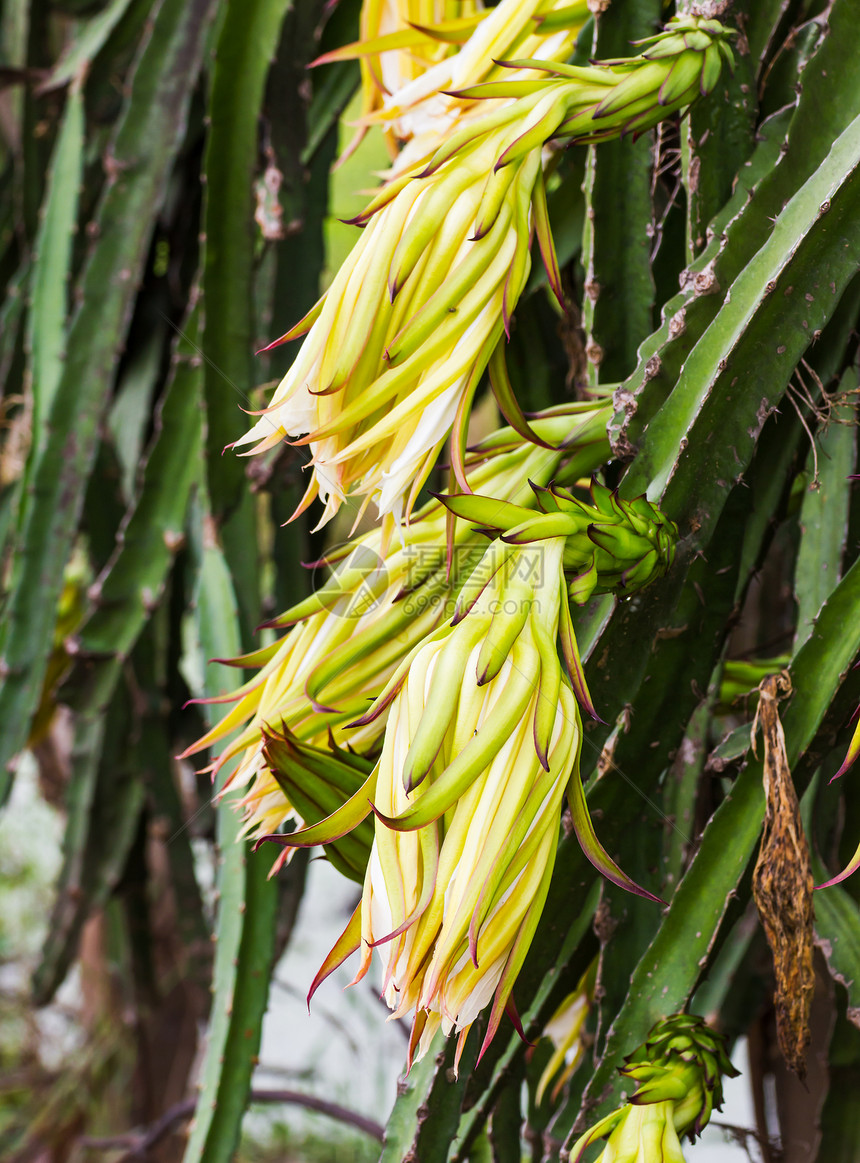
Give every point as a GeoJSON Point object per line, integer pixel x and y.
{"type": "Point", "coordinates": [583, 585]}
{"type": "Point", "coordinates": [503, 391]}
{"type": "Point", "coordinates": [465, 768]}
{"type": "Point", "coordinates": [333, 827]}
{"type": "Point", "coordinates": [591, 846]}
{"type": "Point", "coordinates": [346, 944]}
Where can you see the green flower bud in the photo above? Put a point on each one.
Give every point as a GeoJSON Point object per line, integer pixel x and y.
{"type": "Point", "coordinates": [678, 1072]}
{"type": "Point", "coordinates": [611, 546]}
{"type": "Point", "coordinates": [317, 781]}
{"type": "Point", "coordinates": [613, 98]}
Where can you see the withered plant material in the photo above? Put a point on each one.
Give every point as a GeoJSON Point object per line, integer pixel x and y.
{"type": "Point", "coordinates": [782, 882]}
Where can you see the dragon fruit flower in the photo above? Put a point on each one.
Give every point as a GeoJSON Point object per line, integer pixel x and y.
{"type": "Point", "coordinates": [395, 350]}
{"type": "Point", "coordinates": [481, 748]}
{"type": "Point", "coordinates": [341, 644]}
{"type": "Point", "coordinates": [410, 63]}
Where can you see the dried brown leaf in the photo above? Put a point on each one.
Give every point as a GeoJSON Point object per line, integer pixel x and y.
{"type": "Point", "coordinates": [782, 882]}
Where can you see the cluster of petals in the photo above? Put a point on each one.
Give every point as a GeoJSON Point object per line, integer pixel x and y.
{"type": "Point", "coordinates": [397, 347]}
{"type": "Point", "coordinates": [464, 850]}
{"type": "Point", "coordinates": [412, 66]}
{"type": "Point", "coordinates": [342, 643]}
{"type": "Point", "coordinates": [481, 748]}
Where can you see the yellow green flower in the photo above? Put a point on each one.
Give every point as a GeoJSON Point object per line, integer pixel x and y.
{"type": "Point", "coordinates": [565, 1030]}
{"type": "Point", "coordinates": [342, 643]}
{"type": "Point", "coordinates": [412, 53]}
{"type": "Point", "coordinates": [399, 41]}
{"type": "Point", "coordinates": [396, 348]}
{"type": "Point", "coordinates": [641, 1134]}
{"type": "Point", "coordinates": [481, 747]}
{"type": "Point", "coordinates": [481, 743]}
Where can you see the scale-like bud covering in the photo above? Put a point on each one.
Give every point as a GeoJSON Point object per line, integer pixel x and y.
{"type": "Point", "coordinates": [678, 1073]}
{"type": "Point", "coordinates": [611, 546]}
{"type": "Point", "coordinates": [317, 781]}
